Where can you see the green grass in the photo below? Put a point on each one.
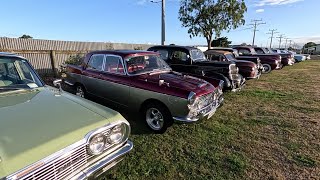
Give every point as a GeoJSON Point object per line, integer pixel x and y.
{"type": "Point", "coordinates": [270, 130]}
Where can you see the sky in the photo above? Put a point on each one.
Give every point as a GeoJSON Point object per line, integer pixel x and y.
{"type": "Point", "coordinates": [139, 21]}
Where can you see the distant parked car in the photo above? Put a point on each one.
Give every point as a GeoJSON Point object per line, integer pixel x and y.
{"type": "Point", "coordinates": [287, 58]}
{"type": "Point", "coordinates": [269, 61]}
{"type": "Point", "coordinates": [246, 68]}
{"type": "Point", "coordinates": [236, 55]}
{"type": "Point", "coordinates": [140, 81]}
{"type": "Point", "coordinates": [46, 133]}
{"type": "Point", "coordinates": [192, 61]}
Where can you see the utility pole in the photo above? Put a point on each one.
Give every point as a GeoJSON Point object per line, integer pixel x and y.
{"type": "Point", "coordinates": [256, 22]}
{"type": "Point", "coordinates": [280, 39]}
{"type": "Point", "coordinates": [286, 43]}
{"type": "Point", "coordinates": [163, 23]}
{"type": "Point", "coordinates": [272, 32]}
{"type": "Point", "coordinates": [163, 20]}
{"type": "Point", "coordinates": [290, 43]}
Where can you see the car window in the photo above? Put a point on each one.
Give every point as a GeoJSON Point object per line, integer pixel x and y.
{"type": "Point", "coordinates": [244, 51]}
{"type": "Point", "coordinates": [113, 64]}
{"type": "Point", "coordinates": [16, 72]}
{"type": "Point", "coordinates": [164, 54]}
{"type": "Point", "coordinates": [25, 71]}
{"type": "Point", "coordinates": [197, 55]}
{"type": "Point", "coordinates": [96, 62]}
{"type": "Point", "coordinates": [179, 56]}
{"type": "Point", "coordinates": [259, 51]}
{"type": "Point", "coordinates": [214, 57]}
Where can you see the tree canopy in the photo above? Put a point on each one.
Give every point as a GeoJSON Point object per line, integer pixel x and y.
{"type": "Point", "coordinates": [309, 44]}
{"type": "Point", "coordinates": [221, 42]}
{"type": "Point", "coordinates": [25, 36]}
{"type": "Point", "coordinates": [210, 17]}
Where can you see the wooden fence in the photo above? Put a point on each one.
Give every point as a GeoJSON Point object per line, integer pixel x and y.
{"type": "Point", "coordinates": [46, 56]}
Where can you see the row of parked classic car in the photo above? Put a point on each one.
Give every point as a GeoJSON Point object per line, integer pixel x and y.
{"type": "Point", "coordinates": [47, 133]}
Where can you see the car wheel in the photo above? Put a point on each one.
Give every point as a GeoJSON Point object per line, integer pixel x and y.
{"type": "Point", "coordinates": [157, 117]}
{"type": "Point", "coordinates": [266, 68]}
{"type": "Point", "coordinates": [80, 91]}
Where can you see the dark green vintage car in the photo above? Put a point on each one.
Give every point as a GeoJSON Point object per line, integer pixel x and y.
{"type": "Point", "coordinates": [46, 133]}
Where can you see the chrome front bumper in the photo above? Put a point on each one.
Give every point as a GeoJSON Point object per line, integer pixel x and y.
{"type": "Point", "coordinates": [96, 169]}
{"type": "Point", "coordinates": [204, 113]}
{"type": "Point", "coordinates": [238, 84]}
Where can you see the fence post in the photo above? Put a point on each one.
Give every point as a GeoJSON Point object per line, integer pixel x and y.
{"type": "Point", "coordinates": [53, 63]}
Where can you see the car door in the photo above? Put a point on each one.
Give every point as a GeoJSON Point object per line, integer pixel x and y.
{"type": "Point", "coordinates": [115, 80]}
{"type": "Point", "coordinates": [180, 61]}
{"type": "Point", "coordinates": [91, 78]}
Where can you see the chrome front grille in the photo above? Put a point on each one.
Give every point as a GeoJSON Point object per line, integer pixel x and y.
{"type": "Point", "coordinates": [62, 166]}
{"type": "Point", "coordinates": [206, 100]}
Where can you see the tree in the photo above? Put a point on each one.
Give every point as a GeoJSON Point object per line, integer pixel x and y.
{"type": "Point", "coordinates": [208, 17]}
{"type": "Point", "coordinates": [243, 44]}
{"type": "Point", "coordinates": [25, 36]}
{"type": "Point", "coordinates": [221, 42]}
{"type": "Point", "coordinates": [309, 44]}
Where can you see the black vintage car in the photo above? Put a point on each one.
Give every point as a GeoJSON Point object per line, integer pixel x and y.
{"type": "Point", "coordinates": [192, 61]}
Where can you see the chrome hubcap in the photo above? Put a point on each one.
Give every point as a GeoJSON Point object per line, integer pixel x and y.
{"type": "Point", "coordinates": [154, 118]}
{"type": "Point", "coordinates": [266, 68]}
{"type": "Point", "coordinates": [80, 92]}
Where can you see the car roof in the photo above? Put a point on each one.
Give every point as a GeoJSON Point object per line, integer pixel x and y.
{"type": "Point", "coordinates": [175, 46]}
{"type": "Point", "coordinates": [6, 54]}
{"type": "Point", "coordinates": [218, 51]}
{"type": "Point", "coordinates": [122, 52]}
{"type": "Point", "coordinates": [226, 48]}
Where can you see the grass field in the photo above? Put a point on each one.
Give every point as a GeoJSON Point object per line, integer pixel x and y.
{"type": "Point", "coordinates": [270, 130]}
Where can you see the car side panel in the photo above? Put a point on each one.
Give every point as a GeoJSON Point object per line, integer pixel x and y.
{"type": "Point", "coordinates": [176, 105]}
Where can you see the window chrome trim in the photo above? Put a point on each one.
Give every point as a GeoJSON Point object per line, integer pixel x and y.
{"type": "Point", "coordinates": [120, 59]}
{"type": "Point", "coordinates": [103, 62]}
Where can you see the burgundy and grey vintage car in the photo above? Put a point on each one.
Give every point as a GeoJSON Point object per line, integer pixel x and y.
{"type": "Point", "coordinates": [142, 82]}
{"type": "Point", "coordinates": [269, 61]}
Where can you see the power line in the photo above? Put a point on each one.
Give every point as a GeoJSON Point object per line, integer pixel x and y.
{"type": "Point", "coordinates": [272, 32]}
{"type": "Point", "coordinates": [256, 22]}
{"type": "Point", "coordinates": [280, 39]}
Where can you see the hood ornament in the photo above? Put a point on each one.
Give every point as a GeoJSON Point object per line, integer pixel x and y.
{"type": "Point", "coordinates": [57, 84]}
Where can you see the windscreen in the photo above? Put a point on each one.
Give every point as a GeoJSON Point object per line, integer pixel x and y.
{"type": "Point", "coordinates": [17, 73]}
{"type": "Point", "coordinates": [146, 64]}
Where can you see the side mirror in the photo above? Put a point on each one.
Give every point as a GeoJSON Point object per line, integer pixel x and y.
{"type": "Point", "coordinates": [57, 84]}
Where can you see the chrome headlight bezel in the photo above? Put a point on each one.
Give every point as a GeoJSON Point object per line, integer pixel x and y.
{"type": "Point", "coordinates": [108, 131]}
{"type": "Point", "coordinates": [192, 98]}
{"type": "Point", "coordinates": [117, 132]}
{"type": "Point", "coordinates": [97, 137]}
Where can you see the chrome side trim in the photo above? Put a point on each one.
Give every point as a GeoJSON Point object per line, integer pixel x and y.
{"type": "Point", "coordinates": [69, 83]}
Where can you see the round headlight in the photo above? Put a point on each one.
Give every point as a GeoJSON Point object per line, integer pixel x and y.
{"type": "Point", "coordinates": [97, 144]}
{"type": "Point", "coordinates": [116, 134]}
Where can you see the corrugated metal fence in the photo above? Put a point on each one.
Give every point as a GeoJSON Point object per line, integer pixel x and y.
{"type": "Point", "coordinates": [47, 55]}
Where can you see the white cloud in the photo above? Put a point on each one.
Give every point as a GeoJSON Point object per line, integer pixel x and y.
{"type": "Point", "coordinates": [259, 10]}
{"type": "Point", "coordinates": [142, 2]}
{"type": "Point", "coordinates": [275, 2]}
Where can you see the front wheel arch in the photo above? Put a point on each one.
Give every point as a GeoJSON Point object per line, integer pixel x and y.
{"type": "Point", "coordinates": [166, 113]}
{"type": "Point", "coordinates": [77, 84]}
{"type": "Point", "coordinates": [226, 84]}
